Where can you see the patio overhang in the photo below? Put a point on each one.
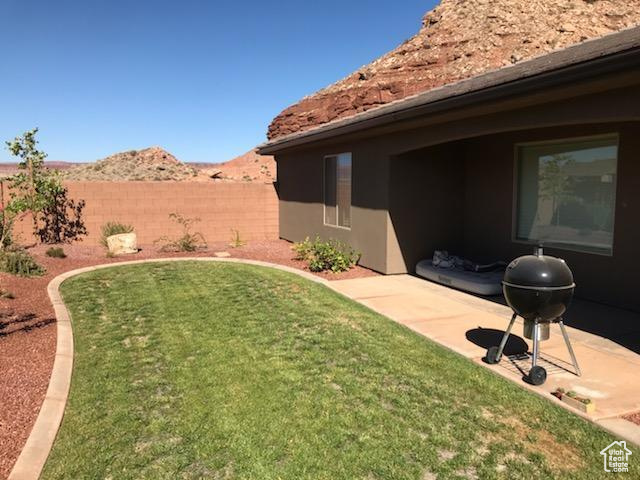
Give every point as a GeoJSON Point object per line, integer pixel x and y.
{"type": "Point", "coordinates": [600, 58]}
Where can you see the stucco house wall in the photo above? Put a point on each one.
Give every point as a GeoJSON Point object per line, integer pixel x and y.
{"type": "Point", "coordinates": [448, 180]}
{"type": "Point", "coordinates": [300, 189]}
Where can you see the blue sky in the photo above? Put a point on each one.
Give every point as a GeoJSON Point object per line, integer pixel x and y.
{"type": "Point", "coordinates": [202, 79]}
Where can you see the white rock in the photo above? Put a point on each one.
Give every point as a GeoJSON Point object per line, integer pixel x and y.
{"type": "Point", "coordinates": [122, 243]}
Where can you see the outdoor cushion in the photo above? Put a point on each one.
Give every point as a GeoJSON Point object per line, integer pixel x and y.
{"type": "Point", "coordinates": [480, 283]}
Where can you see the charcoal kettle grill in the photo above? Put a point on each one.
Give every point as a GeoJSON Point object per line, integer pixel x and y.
{"type": "Point", "coordinates": [538, 288]}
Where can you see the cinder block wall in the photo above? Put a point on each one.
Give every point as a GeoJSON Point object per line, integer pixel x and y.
{"type": "Point", "coordinates": [250, 208]}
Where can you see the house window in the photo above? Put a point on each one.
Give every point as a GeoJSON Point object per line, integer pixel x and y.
{"type": "Point", "coordinates": [566, 193]}
{"type": "Point", "coordinates": [337, 190]}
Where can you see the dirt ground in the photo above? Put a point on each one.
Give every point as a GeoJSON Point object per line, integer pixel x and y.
{"type": "Point", "coordinates": [28, 332]}
{"type": "Point", "coordinates": [633, 417]}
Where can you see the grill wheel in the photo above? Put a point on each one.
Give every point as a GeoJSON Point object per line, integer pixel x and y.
{"type": "Point", "coordinates": [537, 375]}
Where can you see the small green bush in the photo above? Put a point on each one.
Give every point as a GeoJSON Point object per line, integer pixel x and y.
{"type": "Point", "coordinates": [185, 243]}
{"type": "Point", "coordinates": [303, 249]}
{"type": "Point", "coordinates": [56, 252]}
{"type": "Point", "coordinates": [113, 228]}
{"type": "Point", "coordinates": [321, 256]}
{"type": "Point", "coordinates": [17, 261]}
{"type": "Point", "coordinates": [188, 241]}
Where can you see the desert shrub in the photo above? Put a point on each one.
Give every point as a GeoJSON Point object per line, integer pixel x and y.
{"type": "Point", "coordinates": [56, 252]}
{"type": "Point", "coordinates": [113, 228]}
{"type": "Point", "coordinates": [6, 294]}
{"type": "Point", "coordinates": [32, 188]}
{"type": "Point", "coordinates": [17, 261]}
{"type": "Point", "coordinates": [321, 256]}
{"type": "Point", "coordinates": [236, 241]}
{"type": "Point", "coordinates": [187, 242]}
{"type": "Point", "coordinates": [60, 220]}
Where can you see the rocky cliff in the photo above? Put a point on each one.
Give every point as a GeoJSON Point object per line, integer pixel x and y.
{"type": "Point", "coordinates": [460, 39]}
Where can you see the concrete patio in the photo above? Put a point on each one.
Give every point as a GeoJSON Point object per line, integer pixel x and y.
{"type": "Point", "coordinates": [469, 325]}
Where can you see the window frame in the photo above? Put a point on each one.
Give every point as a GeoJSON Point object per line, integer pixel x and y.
{"type": "Point", "coordinates": [615, 137]}
{"type": "Point", "coordinates": [324, 191]}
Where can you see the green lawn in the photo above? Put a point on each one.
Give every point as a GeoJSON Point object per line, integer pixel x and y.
{"type": "Point", "coordinates": [213, 370]}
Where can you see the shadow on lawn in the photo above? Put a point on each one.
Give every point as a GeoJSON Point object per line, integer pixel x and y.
{"type": "Point", "coordinates": [11, 322]}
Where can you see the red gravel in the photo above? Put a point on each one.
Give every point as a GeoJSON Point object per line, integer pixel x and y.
{"type": "Point", "coordinates": [633, 417]}
{"type": "Point", "coordinates": [28, 333]}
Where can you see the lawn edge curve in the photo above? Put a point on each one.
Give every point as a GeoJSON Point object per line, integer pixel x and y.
{"type": "Point", "coordinates": [36, 449]}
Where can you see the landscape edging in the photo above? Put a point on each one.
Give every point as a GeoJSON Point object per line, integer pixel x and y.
{"type": "Point", "coordinates": [36, 450]}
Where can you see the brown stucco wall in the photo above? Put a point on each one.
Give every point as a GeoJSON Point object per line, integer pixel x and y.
{"type": "Point", "coordinates": [449, 184]}
{"type": "Point", "coordinates": [426, 199]}
{"type": "Point", "coordinates": [300, 189]}
{"type": "Point", "coordinates": [569, 117]}
{"type": "Point", "coordinates": [460, 196]}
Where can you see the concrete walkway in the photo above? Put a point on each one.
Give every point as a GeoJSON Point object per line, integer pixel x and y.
{"type": "Point", "coordinates": [469, 325]}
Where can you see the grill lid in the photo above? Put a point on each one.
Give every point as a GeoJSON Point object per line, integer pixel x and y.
{"type": "Point", "coordinates": [538, 271]}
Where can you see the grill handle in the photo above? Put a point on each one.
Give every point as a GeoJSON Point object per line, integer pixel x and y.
{"type": "Point", "coordinates": [538, 251]}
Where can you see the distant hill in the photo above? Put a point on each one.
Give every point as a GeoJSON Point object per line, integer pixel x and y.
{"type": "Point", "coordinates": [8, 169]}
{"type": "Point", "coordinates": [248, 167]}
{"type": "Point", "coordinates": [152, 163]}
{"type": "Point", "coordinates": [156, 164]}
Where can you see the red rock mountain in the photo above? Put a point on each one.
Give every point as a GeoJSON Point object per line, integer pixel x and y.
{"type": "Point", "coordinates": [248, 167]}
{"type": "Point", "coordinates": [460, 39]}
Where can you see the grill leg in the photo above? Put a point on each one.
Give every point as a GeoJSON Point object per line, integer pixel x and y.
{"type": "Point", "coordinates": [536, 337]}
{"type": "Point", "coordinates": [537, 375]}
{"type": "Point", "coordinates": [569, 347]}
{"type": "Point", "coordinates": [505, 337]}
